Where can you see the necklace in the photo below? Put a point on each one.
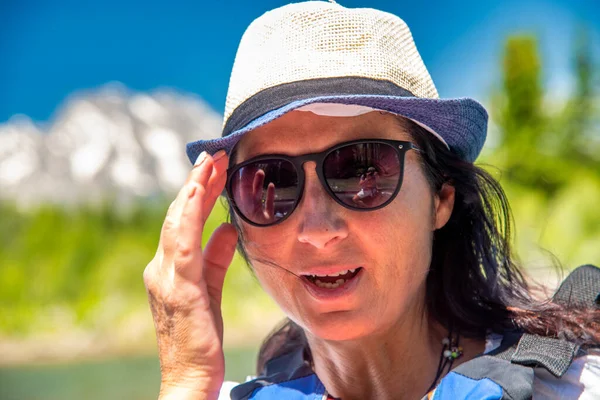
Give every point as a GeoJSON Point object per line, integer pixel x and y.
{"type": "Point", "coordinates": [451, 350]}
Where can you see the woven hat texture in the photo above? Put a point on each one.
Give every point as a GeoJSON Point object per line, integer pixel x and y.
{"type": "Point", "coordinates": [318, 51]}
{"type": "Point", "coordinates": [334, 42]}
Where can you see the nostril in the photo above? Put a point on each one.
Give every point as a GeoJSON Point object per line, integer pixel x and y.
{"type": "Point", "coordinates": [322, 230]}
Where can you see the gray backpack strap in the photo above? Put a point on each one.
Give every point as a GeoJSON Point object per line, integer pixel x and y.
{"type": "Point", "coordinates": [581, 289]}
{"type": "Point", "coordinates": [555, 355]}
{"type": "Point", "coordinates": [511, 365]}
{"type": "Point", "coordinates": [515, 380]}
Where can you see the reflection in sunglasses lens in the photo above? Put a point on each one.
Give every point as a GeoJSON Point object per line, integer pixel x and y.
{"type": "Point", "coordinates": [265, 191]}
{"type": "Point", "coordinates": [363, 175]}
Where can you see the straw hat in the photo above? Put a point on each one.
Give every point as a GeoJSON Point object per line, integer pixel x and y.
{"type": "Point", "coordinates": [322, 57]}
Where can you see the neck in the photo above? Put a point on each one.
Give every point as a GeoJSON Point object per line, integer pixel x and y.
{"type": "Point", "coordinates": [398, 363]}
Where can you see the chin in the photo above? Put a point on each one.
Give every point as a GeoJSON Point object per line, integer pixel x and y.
{"type": "Point", "coordinates": [339, 326]}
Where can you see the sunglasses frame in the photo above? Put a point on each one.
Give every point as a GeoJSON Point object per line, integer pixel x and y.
{"type": "Point", "coordinates": [400, 146]}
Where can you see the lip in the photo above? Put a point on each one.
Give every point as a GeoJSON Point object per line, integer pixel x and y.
{"type": "Point", "coordinates": [326, 294]}
{"type": "Point", "coordinates": [328, 270]}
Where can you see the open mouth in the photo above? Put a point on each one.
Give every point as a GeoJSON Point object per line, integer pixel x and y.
{"type": "Point", "coordinates": [333, 281]}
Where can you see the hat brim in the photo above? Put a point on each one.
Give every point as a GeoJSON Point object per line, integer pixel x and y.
{"type": "Point", "coordinates": [460, 122]}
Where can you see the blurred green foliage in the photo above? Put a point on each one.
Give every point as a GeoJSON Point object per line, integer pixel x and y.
{"type": "Point", "coordinates": [53, 257]}
{"type": "Point", "coordinates": [82, 268]}
{"type": "Point", "coordinates": [548, 155]}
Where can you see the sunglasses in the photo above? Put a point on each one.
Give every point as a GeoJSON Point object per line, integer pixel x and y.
{"type": "Point", "coordinates": [360, 175]}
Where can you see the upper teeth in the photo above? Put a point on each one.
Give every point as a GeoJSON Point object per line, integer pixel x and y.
{"type": "Point", "coordinates": [338, 273]}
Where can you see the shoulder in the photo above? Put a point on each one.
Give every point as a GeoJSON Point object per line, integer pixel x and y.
{"type": "Point", "coordinates": [581, 381]}
{"type": "Point", "coordinates": [282, 377]}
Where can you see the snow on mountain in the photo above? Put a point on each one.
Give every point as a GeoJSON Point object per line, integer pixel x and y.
{"type": "Point", "coordinates": [106, 143]}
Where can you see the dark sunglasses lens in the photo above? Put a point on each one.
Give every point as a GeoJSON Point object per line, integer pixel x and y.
{"type": "Point", "coordinates": [265, 191]}
{"type": "Point", "coordinates": [363, 175]}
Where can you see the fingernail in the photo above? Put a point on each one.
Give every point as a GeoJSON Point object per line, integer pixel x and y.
{"type": "Point", "coordinates": [200, 158]}
{"type": "Point", "coordinates": [219, 154]}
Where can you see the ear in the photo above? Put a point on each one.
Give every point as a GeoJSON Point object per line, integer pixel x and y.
{"type": "Point", "coordinates": [444, 204]}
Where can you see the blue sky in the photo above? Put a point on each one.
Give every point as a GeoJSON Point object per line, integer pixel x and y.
{"type": "Point", "coordinates": [48, 49]}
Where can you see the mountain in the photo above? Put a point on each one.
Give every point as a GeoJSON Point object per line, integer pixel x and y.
{"type": "Point", "coordinates": [105, 143]}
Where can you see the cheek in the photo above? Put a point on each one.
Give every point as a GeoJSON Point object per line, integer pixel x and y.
{"type": "Point", "coordinates": [281, 285]}
{"type": "Point", "coordinates": [270, 243]}
{"type": "Point", "coordinates": [400, 235]}
{"type": "Point", "coordinates": [268, 250]}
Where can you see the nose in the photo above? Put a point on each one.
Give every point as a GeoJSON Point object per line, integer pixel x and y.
{"type": "Point", "coordinates": [322, 224]}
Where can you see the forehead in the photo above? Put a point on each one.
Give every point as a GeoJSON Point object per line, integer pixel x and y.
{"type": "Point", "coordinates": [302, 132]}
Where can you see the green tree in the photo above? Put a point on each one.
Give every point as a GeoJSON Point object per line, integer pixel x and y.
{"type": "Point", "coordinates": [548, 152]}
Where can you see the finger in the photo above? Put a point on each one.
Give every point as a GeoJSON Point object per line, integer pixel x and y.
{"type": "Point", "coordinates": [202, 171]}
{"type": "Point", "coordinates": [257, 187]}
{"type": "Point", "coordinates": [166, 241]}
{"type": "Point", "coordinates": [244, 198]}
{"type": "Point", "coordinates": [218, 254]}
{"type": "Point", "coordinates": [270, 201]}
{"type": "Point", "coordinates": [188, 252]}
{"type": "Point", "coordinates": [216, 182]}
{"type": "Point", "coordinates": [188, 245]}
{"type": "Point", "coordinates": [198, 176]}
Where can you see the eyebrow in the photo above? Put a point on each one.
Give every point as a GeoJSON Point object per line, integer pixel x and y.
{"type": "Point", "coordinates": [402, 123]}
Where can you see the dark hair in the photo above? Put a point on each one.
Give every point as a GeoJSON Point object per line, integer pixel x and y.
{"type": "Point", "coordinates": [474, 284]}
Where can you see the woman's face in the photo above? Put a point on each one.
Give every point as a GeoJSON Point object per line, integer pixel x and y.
{"type": "Point", "coordinates": [391, 245]}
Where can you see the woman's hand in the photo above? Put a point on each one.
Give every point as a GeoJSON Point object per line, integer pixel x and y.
{"type": "Point", "coordinates": [184, 285]}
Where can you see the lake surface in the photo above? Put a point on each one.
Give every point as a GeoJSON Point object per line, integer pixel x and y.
{"type": "Point", "coordinates": [132, 378]}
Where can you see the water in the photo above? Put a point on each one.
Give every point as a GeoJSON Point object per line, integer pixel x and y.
{"type": "Point", "coordinates": [132, 378]}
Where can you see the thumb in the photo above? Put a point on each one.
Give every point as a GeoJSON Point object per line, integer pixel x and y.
{"type": "Point", "coordinates": [218, 254]}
